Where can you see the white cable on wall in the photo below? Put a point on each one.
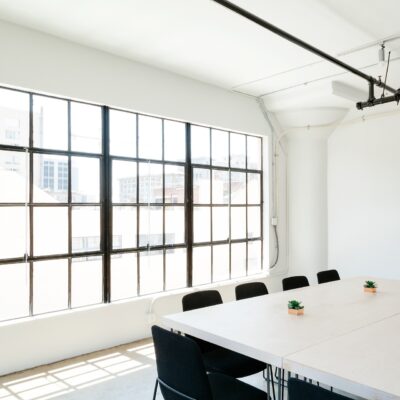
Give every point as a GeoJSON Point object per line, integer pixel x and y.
{"type": "Point", "coordinates": [274, 187]}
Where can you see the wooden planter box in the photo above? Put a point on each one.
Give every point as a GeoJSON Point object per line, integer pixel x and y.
{"type": "Point", "coordinates": [370, 290]}
{"type": "Point", "coordinates": [295, 312]}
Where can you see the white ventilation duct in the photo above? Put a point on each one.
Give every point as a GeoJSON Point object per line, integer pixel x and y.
{"type": "Point", "coordinates": [348, 92]}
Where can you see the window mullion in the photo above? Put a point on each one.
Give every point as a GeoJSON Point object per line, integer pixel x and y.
{"type": "Point", "coordinates": [189, 208]}
{"type": "Point", "coordinates": [69, 207]}
{"type": "Point", "coordinates": [106, 222]}
{"type": "Point", "coordinates": [31, 222]}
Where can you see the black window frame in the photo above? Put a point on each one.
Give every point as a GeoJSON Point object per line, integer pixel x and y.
{"type": "Point", "coordinates": [105, 203]}
{"type": "Point", "coordinates": [210, 167]}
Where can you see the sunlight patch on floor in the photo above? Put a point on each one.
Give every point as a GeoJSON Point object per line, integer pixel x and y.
{"type": "Point", "coordinates": [68, 376]}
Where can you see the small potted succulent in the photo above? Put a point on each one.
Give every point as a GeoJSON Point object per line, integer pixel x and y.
{"type": "Point", "coordinates": [295, 307]}
{"type": "Point", "coordinates": [370, 286]}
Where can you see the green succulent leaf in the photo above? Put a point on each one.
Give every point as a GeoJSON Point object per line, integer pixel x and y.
{"type": "Point", "coordinates": [295, 305]}
{"type": "Point", "coordinates": [370, 284]}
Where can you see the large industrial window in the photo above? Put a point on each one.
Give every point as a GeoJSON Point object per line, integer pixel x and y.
{"type": "Point", "coordinates": [99, 204]}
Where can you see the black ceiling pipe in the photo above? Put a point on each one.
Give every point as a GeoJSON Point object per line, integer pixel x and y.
{"type": "Point", "coordinates": [382, 100]}
{"type": "Point", "coordinates": [304, 45]}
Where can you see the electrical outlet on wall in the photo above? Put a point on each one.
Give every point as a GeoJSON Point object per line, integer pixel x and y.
{"type": "Point", "coordinates": [274, 221]}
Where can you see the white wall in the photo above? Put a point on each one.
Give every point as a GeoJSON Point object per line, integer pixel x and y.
{"type": "Point", "coordinates": [38, 62]}
{"type": "Point", "coordinates": [45, 339]}
{"type": "Point", "coordinates": [364, 197]}
{"type": "Point", "coordinates": [307, 192]}
{"type": "Point", "coordinates": [305, 134]}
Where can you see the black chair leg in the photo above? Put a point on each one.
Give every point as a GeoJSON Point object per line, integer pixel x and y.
{"type": "Point", "coordinates": [266, 378]}
{"type": "Point", "coordinates": [268, 375]}
{"type": "Point", "coordinates": [272, 380]}
{"type": "Point", "coordinates": [155, 390]}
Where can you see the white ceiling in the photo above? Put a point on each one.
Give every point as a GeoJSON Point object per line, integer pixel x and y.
{"type": "Point", "coordinates": [202, 40]}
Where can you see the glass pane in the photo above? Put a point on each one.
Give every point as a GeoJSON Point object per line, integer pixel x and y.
{"type": "Point", "coordinates": [201, 186]}
{"type": "Point", "coordinates": [220, 148]}
{"type": "Point", "coordinates": [50, 286]}
{"type": "Point", "coordinates": [86, 128]}
{"type": "Point", "coordinates": [86, 281]}
{"type": "Point", "coordinates": [220, 262]}
{"type": "Point", "coordinates": [174, 141]}
{"type": "Point", "coordinates": [254, 222]}
{"type": "Point", "coordinates": [14, 232]}
{"type": "Point", "coordinates": [150, 183]}
{"type": "Point", "coordinates": [238, 150]}
{"type": "Point", "coordinates": [85, 229]}
{"type": "Point", "coordinates": [238, 260]}
{"type": "Point", "coordinates": [174, 225]}
{"type": "Point", "coordinates": [150, 226]}
{"type": "Point", "coordinates": [50, 230]}
{"type": "Point", "coordinates": [14, 177]}
{"type": "Point", "coordinates": [238, 188]}
{"type": "Point", "coordinates": [254, 257]}
{"type": "Point", "coordinates": [200, 146]}
{"type": "Point", "coordinates": [50, 123]}
{"type": "Point", "coordinates": [253, 152]}
{"type": "Point", "coordinates": [123, 276]}
{"type": "Point", "coordinates": [124, 178]}
{"type": "Point", "coordinates": [151, 272]}
{"type": "Point", "coordinates": [201, 265]}
{"type": "Point", "coordinates": [124, 227]}
{"type": "Point", "coordinates": [175, 269]}
{"type": "Point", "coordinates": [201, 224]}
{"type": "Point", "coordinates": [174, 184]}
{"type": "Point", "coordinates": [122, 133]}
{"type": "Point", "coordinates": [220, 223]}
{"type": "Point", "coordinates": [238, 223]}
{"type": "Point", "coordinates": [254, 188]}
{"type": "Point", "coordinates": [150, 138]}
{"type": "Point", "coordinates": [85, 180]}
{"type": "Point", "coordinates": [220, 187]}
{"type": "Point", "coordinates": [14, 117]}
{"type": "Point", "coordinates": [50, 178]}
{"type": "Point", "coordinates": [14, 291]}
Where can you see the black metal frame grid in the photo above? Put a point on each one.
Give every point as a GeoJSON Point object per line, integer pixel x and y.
{"type": "Point", "coordinates": [138, 204]}
{"type": "Point", "coordinates": [30, 258]}
{"type": "Point", "coordinates": [106, 204]}
{"type": "Point", "coordinates": [211, 205]}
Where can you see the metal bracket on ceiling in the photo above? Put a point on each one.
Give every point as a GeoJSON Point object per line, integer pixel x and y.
{"type": "Point", "coordinates": [295, 40]}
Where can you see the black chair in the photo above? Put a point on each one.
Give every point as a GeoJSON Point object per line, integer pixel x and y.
{"type": "Point", "coordinates": [216, 358]}
{"type": "Point", "coordinates": [251, 289]}
{"type": "Point", "coordinates": [301, 390]}
{"type": "Point", "coordinates": [201, 299]}
{"type": "Point", "coordinates": [329, 275]}
{"type": "Point", "coordinates": [294, 282]}
{"type": "Point", "coordinates": [182, 375]}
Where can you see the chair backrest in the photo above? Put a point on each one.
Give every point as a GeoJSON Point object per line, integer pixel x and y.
{"type": "Point", "coordinates": [329, 275]}
{"type": "Point", "coordinates": [251, 289]}
{"type": "Point", "coordinates": [300, 390]}
{"type": "Point", "coordinates": [180, 366]}
{"type": "Point", "coordinates": [200, 299]}
{"type": "Point", "coordinates": [294, 282]}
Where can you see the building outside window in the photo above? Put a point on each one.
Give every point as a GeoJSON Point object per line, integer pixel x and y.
{"type": "Point", "coordinates": [48, 175]}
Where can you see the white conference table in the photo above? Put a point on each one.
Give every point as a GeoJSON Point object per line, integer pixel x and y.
{"type": "Point", "coordinates": [364, 362]}
{"type": "Point", "coordinates": [261, 328]}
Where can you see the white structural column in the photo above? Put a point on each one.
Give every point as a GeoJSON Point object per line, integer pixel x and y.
{"type": "Point", "coordinates": [306, 137]}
